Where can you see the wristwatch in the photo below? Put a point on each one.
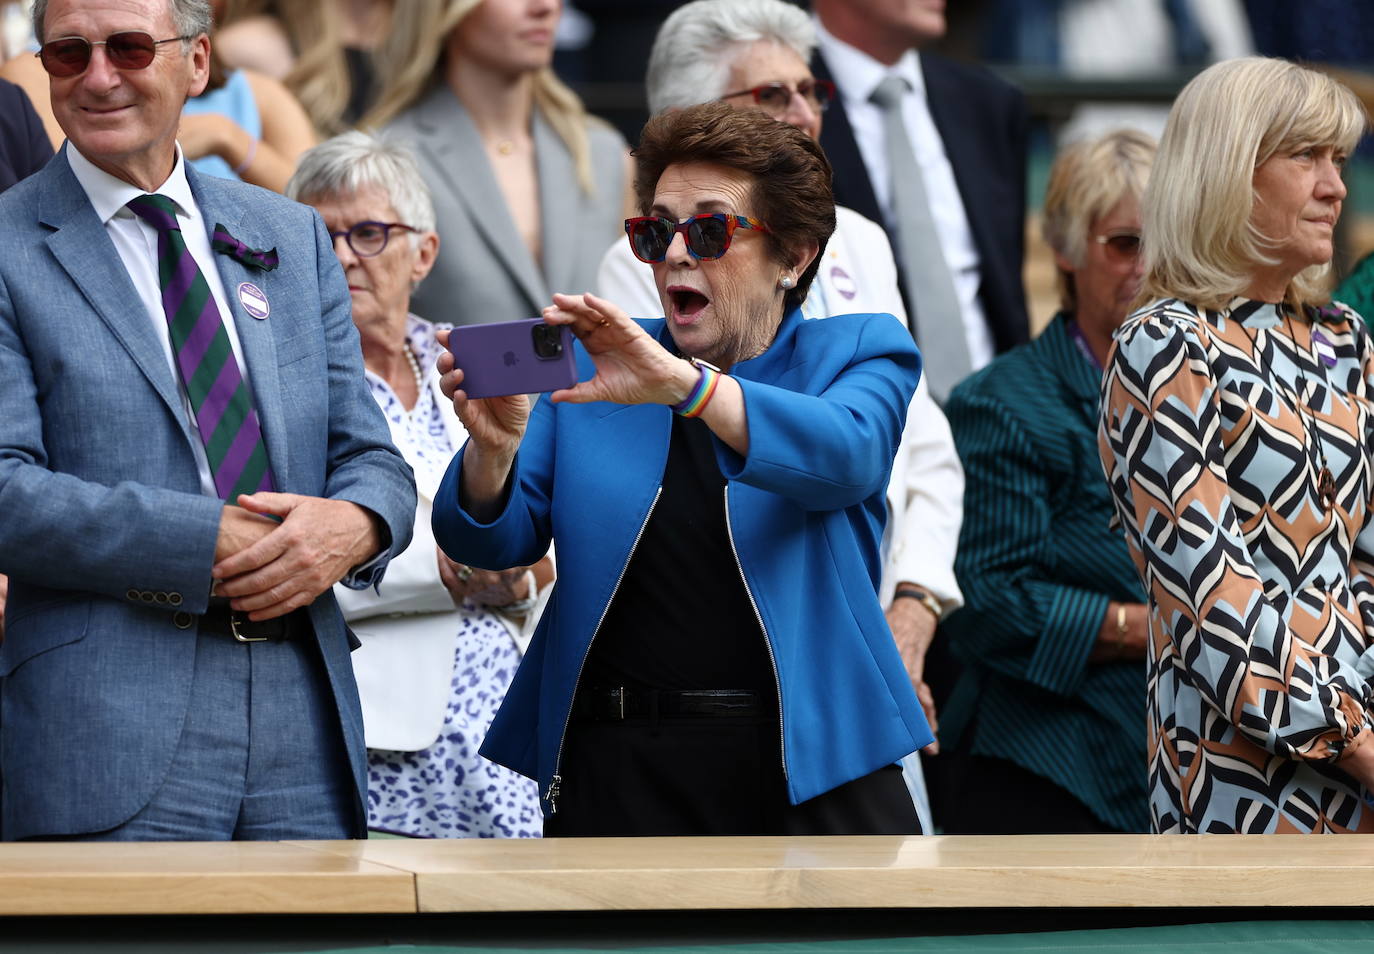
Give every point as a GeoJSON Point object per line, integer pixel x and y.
{"type": "Point", "coordinates": [924, 597]}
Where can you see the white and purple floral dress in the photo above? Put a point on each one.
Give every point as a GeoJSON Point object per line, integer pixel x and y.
{"type": "Point", "coordinates": [447, 790]}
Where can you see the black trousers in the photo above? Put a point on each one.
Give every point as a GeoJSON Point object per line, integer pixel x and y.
{"type": "Point", "coordinates": [999, 797]}
{"type": "Point", "coordinates": [708, 776]}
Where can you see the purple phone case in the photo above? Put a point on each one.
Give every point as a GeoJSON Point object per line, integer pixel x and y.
{"type": "Point", "coordinates": [499, 359]}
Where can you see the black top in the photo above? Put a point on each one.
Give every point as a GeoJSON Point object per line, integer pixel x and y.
{"type": "Point", "coordinates": [681, 618]}
{"type": "Point", "coordinates": [24, 145]}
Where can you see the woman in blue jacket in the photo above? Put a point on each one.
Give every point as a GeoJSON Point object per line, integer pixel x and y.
{"type": "Point", "coordinates": [714, 659]}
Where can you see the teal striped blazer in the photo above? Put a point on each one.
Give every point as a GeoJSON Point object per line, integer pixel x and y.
{"type": "Point", "coordinates": [1038, 563]}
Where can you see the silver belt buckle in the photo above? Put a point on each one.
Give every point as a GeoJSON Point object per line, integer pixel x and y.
{"type": "Point", "coordinates": [234, 628]}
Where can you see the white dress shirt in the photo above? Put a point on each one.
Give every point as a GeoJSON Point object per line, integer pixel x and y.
{"type": "Point", "coordinates": [136, 242]}
{"type": "Point", "coordinates": [857, 75]}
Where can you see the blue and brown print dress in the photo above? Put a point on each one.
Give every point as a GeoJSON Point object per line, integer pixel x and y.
{"type": "Point", "coordinates": [1215, 429]}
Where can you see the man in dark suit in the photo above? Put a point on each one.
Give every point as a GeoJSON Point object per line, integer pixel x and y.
{"type": "Point", "coordinates": [190, 458]}
{"type": "Point", "coordinates": [968, 134]}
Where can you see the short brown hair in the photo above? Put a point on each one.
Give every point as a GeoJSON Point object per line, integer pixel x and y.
{"type": "Point", "coordinates": [792, 194]}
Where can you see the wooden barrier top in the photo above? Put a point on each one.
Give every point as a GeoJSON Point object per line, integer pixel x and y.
{"type": "Point", "coordinates": [195, 878]}
{"type": "Point", "coordinates": [609, 874]}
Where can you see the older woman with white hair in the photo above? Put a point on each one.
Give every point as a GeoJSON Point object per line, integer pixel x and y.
{"type": "Point", "coordinates": [753, 54]}
{"type": "Point", "coordinates": [1237, 435]}
{"type": "Point", "coordinates": [440, 641]}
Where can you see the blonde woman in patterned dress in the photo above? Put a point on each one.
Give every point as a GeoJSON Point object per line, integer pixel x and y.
{"type": "Point", "coordinates": [1236, 433]}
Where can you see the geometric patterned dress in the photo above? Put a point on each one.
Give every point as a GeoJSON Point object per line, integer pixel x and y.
{"type": "Point", "coordinates": [1213, 429]}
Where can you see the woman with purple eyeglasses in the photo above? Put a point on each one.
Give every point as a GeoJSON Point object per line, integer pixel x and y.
{"type": "Point", "coordinates": [440, 640]}
{"type": "Point", "coordinates": [714, 658]}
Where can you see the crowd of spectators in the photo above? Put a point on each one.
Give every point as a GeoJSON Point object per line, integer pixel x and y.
{"type": "Point", "coordinates": [756, 612]}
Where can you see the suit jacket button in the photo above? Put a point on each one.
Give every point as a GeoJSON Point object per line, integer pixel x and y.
{"type": "Point", "coordinates": [159, 597]}
{"type": "Point", "coordinates": [174, 599]}
{"type": "Point", "coordinates": [183, 620]}
{"type": "Point", "coordinates": [131, 595]}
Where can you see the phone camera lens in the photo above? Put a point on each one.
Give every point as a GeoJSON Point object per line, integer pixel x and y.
{"type": "Point", "coordinates": [548, 344]}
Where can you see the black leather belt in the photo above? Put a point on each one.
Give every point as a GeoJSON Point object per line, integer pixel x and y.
{"type": "Point", "coordinates": [598, 704]}
{"type": "Point", "coordinates": [221, 620]}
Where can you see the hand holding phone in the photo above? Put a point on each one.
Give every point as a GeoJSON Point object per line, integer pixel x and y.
{"type": "Point", "coordinates": [527, 356]}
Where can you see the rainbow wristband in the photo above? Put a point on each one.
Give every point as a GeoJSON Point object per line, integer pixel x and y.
{"type": "Point", "coordinates": [695, 402]}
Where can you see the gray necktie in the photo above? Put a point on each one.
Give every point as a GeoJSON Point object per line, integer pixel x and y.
{"type": "Point", "coordinates": [936, 320]}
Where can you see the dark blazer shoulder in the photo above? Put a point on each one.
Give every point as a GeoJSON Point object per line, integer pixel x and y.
{"type": "Point", "coordinates": [971, 78]}
{"type": "Point", "coordinates": [24, 145]}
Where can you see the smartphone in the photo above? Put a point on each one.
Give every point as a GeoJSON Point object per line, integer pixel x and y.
{"type": "Point", "coordinates": [513, 357]}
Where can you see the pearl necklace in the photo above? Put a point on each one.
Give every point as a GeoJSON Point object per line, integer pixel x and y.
{"type": "Point", "coordinates": [415, 370]}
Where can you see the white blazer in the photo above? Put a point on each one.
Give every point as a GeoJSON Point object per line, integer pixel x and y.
{"type": "Point", "coordinates": [925, 496]}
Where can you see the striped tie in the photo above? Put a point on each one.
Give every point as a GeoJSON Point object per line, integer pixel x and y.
{"type": "Point", "coordinates": [219, 397]}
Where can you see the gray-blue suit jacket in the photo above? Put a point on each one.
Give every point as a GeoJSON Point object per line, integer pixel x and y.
{"type": "Point", "coordinates": [104, 530]}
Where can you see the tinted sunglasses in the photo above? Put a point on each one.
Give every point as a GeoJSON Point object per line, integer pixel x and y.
{"type": "Point", "coordinates": [707, 235]}
{"type": "Point", "coordinates": [369, 238]}
{"type": "Point", "coordinates": [1120, 245]}
{"type": "Point", "coordinates": [130, 50]}
{"type": "Point", "coordinates": [774, 98]}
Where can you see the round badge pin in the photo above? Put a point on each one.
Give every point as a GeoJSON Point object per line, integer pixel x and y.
{"type": "Point", "coordinates": [843, 283]}
{"type": "Point", "coordinates": [253, 300]}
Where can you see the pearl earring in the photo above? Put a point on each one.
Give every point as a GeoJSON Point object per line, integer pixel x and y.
{"type": "Point", "coordinates": [786, 281]}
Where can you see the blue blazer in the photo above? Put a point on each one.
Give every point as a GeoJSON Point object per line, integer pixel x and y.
{"type": "Point", "coordinates": [826, 404]}
{"type": "Point", "coordinates": [105, 534]}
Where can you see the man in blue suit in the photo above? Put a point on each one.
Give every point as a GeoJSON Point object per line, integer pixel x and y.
{"type": "Point", "coordinates": [189, 460]}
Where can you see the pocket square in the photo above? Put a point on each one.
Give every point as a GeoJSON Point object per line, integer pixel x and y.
{"type": "Point", "coordinates": [225, 244]}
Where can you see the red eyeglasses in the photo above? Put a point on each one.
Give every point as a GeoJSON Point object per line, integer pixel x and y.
{"type": "Point", "coordinates": [774, 98]}
{"type": "Point", "coordinates": [707, 235]}
{"type": "Point", "coordinates": [128, 50]}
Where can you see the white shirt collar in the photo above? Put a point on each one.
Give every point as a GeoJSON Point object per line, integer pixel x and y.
{"type": "Point", "coordinates": [109, 194]}
{"type": "Point", "coordinates": [857, 74]}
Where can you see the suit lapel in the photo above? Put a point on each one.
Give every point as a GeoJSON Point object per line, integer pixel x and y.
{"type": "Point", "coordinates": [84, 250]}
{"type": "Point", "coordinates": [257, 337]}
{"type": "Point", "coordinates": [1058, 349]}
{"type": "Point", "coordinates": [949, 110]}
{"type": "Point", "coordinates": [852, 187]}
{"type": "Point", "coordinates": [447, 132]}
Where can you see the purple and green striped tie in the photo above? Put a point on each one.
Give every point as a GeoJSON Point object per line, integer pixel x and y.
{"type": "Point", "coordinates": [219, 396]}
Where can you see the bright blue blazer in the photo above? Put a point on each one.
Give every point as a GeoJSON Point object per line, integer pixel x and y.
{"type": "Point", "coordinates": [826, 404]}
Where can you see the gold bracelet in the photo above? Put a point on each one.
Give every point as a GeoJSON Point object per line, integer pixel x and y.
{"type": "Point", "coordinates": [1120, 629]}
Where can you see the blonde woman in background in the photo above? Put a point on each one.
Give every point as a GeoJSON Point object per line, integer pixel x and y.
{"type": "Point", "coordinates": [529, 189]}
{"type": "Point", "coordinates": [323, 50]}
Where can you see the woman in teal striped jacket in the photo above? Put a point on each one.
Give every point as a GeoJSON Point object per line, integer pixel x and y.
{"type": "Point", "coordinates": [1049, 713]}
